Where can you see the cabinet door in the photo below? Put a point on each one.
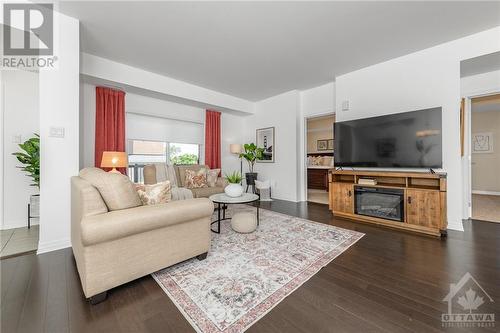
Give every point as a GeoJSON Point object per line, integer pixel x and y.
{"type": "Point", "coordinates": [342, 197]}
{"type": "Point", "coordinates": [423, 208]}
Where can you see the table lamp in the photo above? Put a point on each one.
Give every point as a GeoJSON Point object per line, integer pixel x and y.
{"type": "Point", "coordinates": [236, 148]}
{"type": "Point", "coordinates": [114, 159]}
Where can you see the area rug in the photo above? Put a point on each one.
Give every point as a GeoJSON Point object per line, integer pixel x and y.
{"type": "Point", "coordinates": [246, 275]}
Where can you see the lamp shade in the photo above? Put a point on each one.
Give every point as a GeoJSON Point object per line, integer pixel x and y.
{"type": "Point", "coordinates": [235, 148]}
{"type": "Point", "coordinates": [114, 159]}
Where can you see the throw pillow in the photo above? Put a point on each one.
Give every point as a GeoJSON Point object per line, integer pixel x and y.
{"type": "Point", "coordinates": [155, 194]}
{"type": "Point", "coordinates": [117, 191]}
{"type": "Point", "coordinates": [212, 176]}
{"type": "Point", "coordinates": [196, 179]}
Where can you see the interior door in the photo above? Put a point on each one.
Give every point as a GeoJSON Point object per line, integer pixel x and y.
{"type": "Point", "coordinates": [423, 208]}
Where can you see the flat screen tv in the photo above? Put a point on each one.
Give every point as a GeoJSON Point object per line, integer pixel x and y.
{"type": "Point", "coordinates": [402, 140]}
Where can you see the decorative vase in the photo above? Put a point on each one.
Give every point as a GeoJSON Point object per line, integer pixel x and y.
{"type": "Point", "coordinates": [234, 190]}
{"type": "Point", "coordinates": [251, 177]}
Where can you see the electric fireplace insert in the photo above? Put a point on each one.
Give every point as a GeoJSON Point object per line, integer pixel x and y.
{"type": "Point", "coordinates": [386, 203]}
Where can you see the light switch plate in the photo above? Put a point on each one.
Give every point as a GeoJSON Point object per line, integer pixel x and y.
{"type": "Point", "coordinates": [345, 106]}
{"type": "Point", "coordinates": [56, 132]}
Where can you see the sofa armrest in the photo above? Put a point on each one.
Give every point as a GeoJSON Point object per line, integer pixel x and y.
{"type": "Point", "coordinates": [122, 223]}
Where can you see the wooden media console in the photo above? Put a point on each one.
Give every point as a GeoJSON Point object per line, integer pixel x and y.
{"type": "Point", "coordinates": [415, 201]}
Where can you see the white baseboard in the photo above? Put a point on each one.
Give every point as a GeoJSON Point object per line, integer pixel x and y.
{"type": "Point", "coordinates": [485, 192]}
{"type": "Point", "coordinates": [17, 224]}
{"type": "Point", "coordinates": [455, 225]}
{"type": "Point", "coordinates": [44, 247]}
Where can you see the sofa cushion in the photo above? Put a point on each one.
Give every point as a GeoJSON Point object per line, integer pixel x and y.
{"type": "Point", "coordinates": [212, 176]}
{"type": "Point", "coordinates": [122, 223]}
{"type": "Point", "coordinates": [196, 179]}
{"type": "Point", "coordinates": [205, 192]}
{"type": "Point", "coordinates": [155, 194]}
{"type": "Point", "coordinates": [117, 191]}
{"type": "Point", "coordinates": [180, 171]}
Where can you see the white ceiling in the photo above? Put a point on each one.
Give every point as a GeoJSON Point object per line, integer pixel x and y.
{"type": "Point", "coordinates": [256, 50]}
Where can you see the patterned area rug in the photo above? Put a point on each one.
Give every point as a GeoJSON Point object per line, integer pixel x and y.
{"type": "Point", "coordinates": [246, 275]}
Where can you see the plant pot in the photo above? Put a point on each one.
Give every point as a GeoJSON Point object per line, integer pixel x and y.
{"type": "Point", "coordinates": [234, 190]}
{"type": "Point", "coordinates": [251, 177]}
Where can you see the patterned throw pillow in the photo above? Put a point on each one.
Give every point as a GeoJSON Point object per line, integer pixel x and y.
{"type": "Point", "coordinates": [155, 194]}
{"type": "Point", "coordinates": [212, 176]}
{"type": "Point", "coordinates": [196, 179]}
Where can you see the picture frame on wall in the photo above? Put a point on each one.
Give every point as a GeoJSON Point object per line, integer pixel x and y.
{"type": "Point", "coordinates": [322, 145]}
{"type": "Point", "coordinates": [265, 139]}
{"type": "Point", "coordinates": [482, 143]}
{"type": "Point", "coordinates": [330, 144]}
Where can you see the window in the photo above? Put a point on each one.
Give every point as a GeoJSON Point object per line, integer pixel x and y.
{"type": "Point", "coordinates": [183, 153]}
{"type": "Point", "coordinates": [144, 152]}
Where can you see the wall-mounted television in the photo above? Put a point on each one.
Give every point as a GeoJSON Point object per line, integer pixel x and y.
{"type": "Point", "coordinates": [402, 140]}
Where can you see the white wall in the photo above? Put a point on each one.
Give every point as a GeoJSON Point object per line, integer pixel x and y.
{"type": "Point", "coordinates": [104, 69]}
{"type": "Point", "coordinates": [427, 78]}
{"type": "Point", "coordinates": [282, 112]}
{"type": "Point", "coordinates": [480, 84]}
{"type": "Point", "coordinates": [20, 120]}
{"type": "Point", "coordinates": [59, 104]}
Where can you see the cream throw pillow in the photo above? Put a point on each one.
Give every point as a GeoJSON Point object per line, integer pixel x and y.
{"type": "Point", "coordinates": [212, 176]}
{"type": "Point", "coordinates": [196, 179]}
{"type": "Point", "coordinates": [117, 191]}
{"type": "Point", "coordinates": [155, 194]}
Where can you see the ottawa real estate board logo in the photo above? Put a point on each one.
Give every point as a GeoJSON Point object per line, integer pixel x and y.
{"type": "Point", "coordinates": [28, 36]}
{"type": "Point", "coordinates": [465, 301]}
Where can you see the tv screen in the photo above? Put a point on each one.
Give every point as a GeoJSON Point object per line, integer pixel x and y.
{"type": "Point", "coordinates": [402, 140]}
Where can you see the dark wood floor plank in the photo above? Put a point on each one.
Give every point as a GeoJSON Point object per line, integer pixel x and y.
{"type": "Point", "coordinates": [13, 303]}
{"type": "Point", "coordinates": [388, 281]}
{"type": "Point", "coordinates": [35, 304]}
{"type": "Point", "coordinates": [57, 295]}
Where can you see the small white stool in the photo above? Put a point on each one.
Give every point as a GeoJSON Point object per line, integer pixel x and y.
{"type": "Point", "coordinates": [244, 222]}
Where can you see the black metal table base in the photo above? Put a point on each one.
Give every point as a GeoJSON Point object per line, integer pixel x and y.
{"type": "Point", "coordinates": [223, 207]}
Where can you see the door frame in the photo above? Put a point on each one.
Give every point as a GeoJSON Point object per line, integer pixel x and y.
{"type": "Point", "coordinates": [304, 146]}
{"type": "Point", "coordinates": [467, 158]}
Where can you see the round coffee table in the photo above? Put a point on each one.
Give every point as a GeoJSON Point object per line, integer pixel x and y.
{"type": "Point", "coordinates": [222, 200]}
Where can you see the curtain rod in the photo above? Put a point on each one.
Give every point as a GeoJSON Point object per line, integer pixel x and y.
{"type": "Point", "coordinates": [111, 87]}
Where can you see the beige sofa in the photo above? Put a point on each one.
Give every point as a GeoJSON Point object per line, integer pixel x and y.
{"type": "Point", "coordinates": [115, 247]}
{"type": "Point", "coordinates": [154, 173]}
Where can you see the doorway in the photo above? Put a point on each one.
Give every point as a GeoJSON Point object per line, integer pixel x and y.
{"type": "Point", "coordinates": [319, 156]}
{"type": "Point", "coordinates": [485, 157]}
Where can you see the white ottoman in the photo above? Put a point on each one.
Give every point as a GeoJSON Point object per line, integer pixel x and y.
{"type": "Point", "coordinates": [244, 222]}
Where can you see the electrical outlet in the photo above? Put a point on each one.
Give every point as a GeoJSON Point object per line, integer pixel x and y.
{"type": "Point", "coordinates": [17, 138]}
{"type": "Point", "coordinates": [56, 132]}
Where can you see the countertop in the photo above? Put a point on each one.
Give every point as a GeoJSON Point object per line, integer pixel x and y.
{"type": "Point", "coordinates": [320, 167]}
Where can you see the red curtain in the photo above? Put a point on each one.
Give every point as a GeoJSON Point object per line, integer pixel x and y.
{"type": "Point", "coordinates": [109, 123]}
{"type": "Point", "coordinates": [212, 139]}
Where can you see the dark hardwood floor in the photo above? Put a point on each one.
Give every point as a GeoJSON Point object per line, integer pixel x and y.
{"type": "Point", "coordinates": [389, 281]}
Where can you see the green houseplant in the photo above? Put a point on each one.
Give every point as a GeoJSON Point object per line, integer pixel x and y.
{"type": "Point", "coordinates": [251, 154]}
{"type": "Point", "coordinates": [30, 158]}
{"type": "Point", "coordinates": [234, 189]}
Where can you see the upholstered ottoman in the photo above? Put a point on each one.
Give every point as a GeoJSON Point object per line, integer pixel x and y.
{"type": "Point", "coordinates": [244, 222]}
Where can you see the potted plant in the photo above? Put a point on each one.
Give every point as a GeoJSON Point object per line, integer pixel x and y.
{"type": "Point", "coordinates": [30, 158]}
{"type": "Point", "coordinates": [234, 189]}
{"type": "Point", "coordinates": [251, 155]}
